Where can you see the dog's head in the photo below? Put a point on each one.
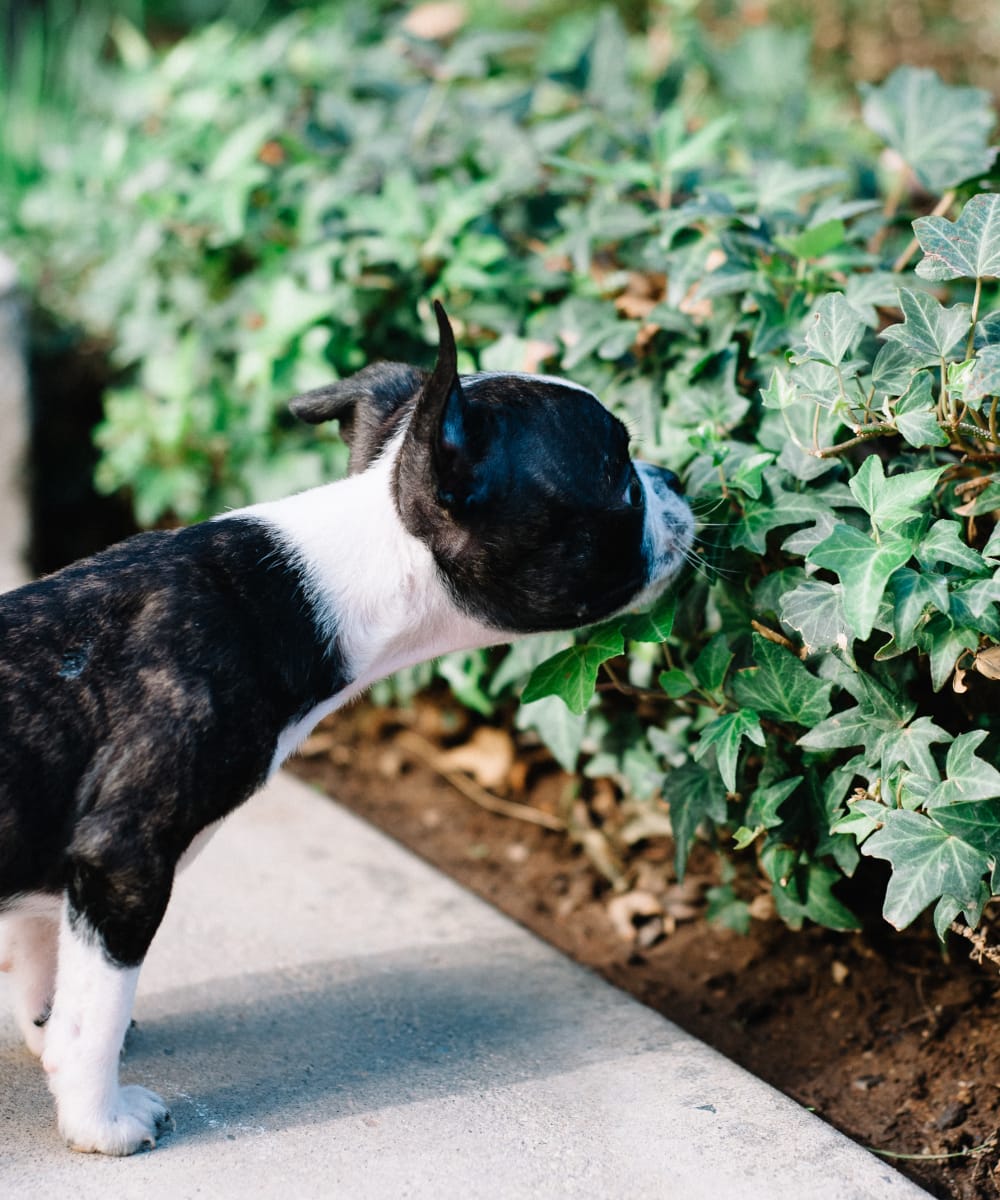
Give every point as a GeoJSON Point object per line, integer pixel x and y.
{"type": "Point", "coordinates": [521, 486]}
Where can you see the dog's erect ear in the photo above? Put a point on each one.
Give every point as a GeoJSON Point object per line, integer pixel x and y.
{"type": "Point", "coordinates": [447, 426]}
{"type": "Point", "coordinates": [365, 404]}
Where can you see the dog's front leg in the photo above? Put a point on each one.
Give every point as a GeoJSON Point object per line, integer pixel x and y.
{"type": "Point", "coordinates": [90, 1015]}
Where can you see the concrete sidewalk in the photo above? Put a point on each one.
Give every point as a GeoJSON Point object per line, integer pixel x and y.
{"type": "Point", "coordinates": [328, 1016]}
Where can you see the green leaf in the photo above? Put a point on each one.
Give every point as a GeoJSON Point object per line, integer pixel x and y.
{"type": "Point", "coordinates": [853, 727]}
{"type": "Point", "coordinates": [940, 131]}
{"type": "Point", "coordinates": [945, 641]}
{"type": "Point", "coordinates": [968, 248]}
{"type": "Point", "coordinates": [927, 862]}
{"type": "Point", "coordinates": [864, 568]}
{"type": "Point", "coordinates": [655, 624]}
{"type": "Point", "coordinates": [911, 747]}
{"type": "Point", "coordinates": [833, 329]}
{"type": "Point", "coordinates": [985, 377]}
{"type": "Point", "coordinates": [976, 822]}
{"type": "Point", "coordinates": [943, 543]}
{"type": "Point", "coordinates": [894, 366]}
{"type": "Point", "coordinates": [561, 730]}
{"type": "Point", "coordinates": [929, 331]}
{"type": "Point", "coordinates": [815, 609]}
{"type": "Point", "coordinates": [915, 412]}
{"type": "Point", "coordinates": [765, 802]}
{"type": "Point", "coordinates": [894, 500]}
{"type": "Point", "coordinates": [572, 673]}
{"type": "Point", "coordinates": [809, 896]}
{"type": "Point", "coordinates": [694, 795]}
{"type": "Point", "coordinates": [815, 241]}
{"type": "Point", "coordinates": [675, 683]}
{"type": "Point", "coordinates": [780, 686]}
{"type": "Point", "coordinates": [967, 777]}
{"type": "Point", "coordinates": [912, 593]}
{"type": "Point", "coordinates": [724, 735]}
{"type": "Point", "coordinates": [712, 663]}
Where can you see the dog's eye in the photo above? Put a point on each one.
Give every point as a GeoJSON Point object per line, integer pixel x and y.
{"type": "Point", "coordinates": [634, 494]}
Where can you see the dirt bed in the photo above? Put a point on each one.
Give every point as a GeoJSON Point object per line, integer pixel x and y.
{"type": "Point", "coordinates": [877, 1033]}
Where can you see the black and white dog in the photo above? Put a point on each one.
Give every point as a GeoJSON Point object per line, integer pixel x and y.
{"type": "Point", "coordinates": [148, 691]}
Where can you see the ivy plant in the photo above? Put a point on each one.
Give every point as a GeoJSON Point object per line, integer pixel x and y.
{"type": "Point", "coordinates": [789, 293]}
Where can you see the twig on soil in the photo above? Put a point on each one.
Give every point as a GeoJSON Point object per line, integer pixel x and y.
{"type": "Point", "coordinates": [980, 946]}
{"type": "Point", "coordinates": [428, 753]}
{"type": "Point", "coordinates": [968, 1152]}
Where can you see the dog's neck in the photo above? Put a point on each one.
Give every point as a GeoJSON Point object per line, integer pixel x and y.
{"type": "Point", "coordinates": [374, 588]}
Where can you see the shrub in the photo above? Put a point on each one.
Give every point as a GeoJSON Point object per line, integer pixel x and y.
{"type": "Point", "coordinates": [720, 254]}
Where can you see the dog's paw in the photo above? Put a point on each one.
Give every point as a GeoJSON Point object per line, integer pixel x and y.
{"type": "Point", "coordinates": [135, 1120]}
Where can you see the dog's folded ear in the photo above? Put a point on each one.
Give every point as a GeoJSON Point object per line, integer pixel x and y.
{"type": "Point", "coordinates": [365, 404]}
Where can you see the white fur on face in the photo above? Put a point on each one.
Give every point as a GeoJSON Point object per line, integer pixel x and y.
{"type": "Point", "coordinates": [83, 1039]}
{"type": "Point", "coordinates": [667, 533]}
{"type": "Point", "coordinates": [374, 587]}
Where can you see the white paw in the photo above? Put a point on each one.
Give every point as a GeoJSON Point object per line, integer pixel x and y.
{"type": "Point", "coordinates": [135, 1120]}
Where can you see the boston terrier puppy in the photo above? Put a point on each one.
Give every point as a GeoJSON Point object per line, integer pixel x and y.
{"type": "Point", "coordinates": [148, 691]}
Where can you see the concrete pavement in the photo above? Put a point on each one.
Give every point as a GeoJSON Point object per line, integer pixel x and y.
{"type": "Point", "coordinates": [327, 1015]}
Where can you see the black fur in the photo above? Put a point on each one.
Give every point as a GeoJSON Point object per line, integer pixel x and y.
{"type": "Point", "coordinates": [142, 693]}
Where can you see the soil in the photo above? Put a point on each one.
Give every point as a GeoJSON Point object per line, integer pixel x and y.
{"type": "Point", "coordinates": [879, 1033]}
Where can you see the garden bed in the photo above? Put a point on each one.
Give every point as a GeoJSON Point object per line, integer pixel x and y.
{"type": "Point", "coordinates": [877, 1033]}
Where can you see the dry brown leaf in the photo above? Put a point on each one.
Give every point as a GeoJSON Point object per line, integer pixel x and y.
{"type": "Point", "coordinates": [436, 21]}
{"type": "Point", "coordinates": [488, 757]}
{"type": "Point", "coordinates": [318, 743]}
{"type": "Point", "coordinates": [623, 911]}
{"type": "Point", "coordinates": [987, 662]}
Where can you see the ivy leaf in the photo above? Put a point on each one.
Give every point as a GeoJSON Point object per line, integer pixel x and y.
{"type": "Point", "coordinates": [945, 641]}
{"type": "Point", "coordinates": [815, 610]}
{"type": "Point", "coordinates": [912, 593]}
{"type": "Point", "coordinates": [984, 379]}
{"type": "Point", "coordinates": [809, 896]}
{"type": "Point", "coordinates": [929, 330]}
{"type": "Point", "coordinates": [654, 625]}
{"type": "Point", "coordinates": [774, 511]}
{"type": "Point", "coordinates": [572, 673]}
{"type": "Point", "coordinates": [781, 687]}
{"type": "Point", "coordinates": [694, 795]}
{"type": "Point", "coordinates": [561, 730]}
{"type": "Point", "coordinates": [911, 748]}
{"type": "Point", "coordinates": [854, 727]}
{"type": "Point", "coordinates": [943, 543]}
{"type": "Point", "coordinates": [927, 862]}
{"type": "Point", "coordinates": [834, 329]}
{"type": "Point", "coordinates": [712, 663]}
{"type": "Point", "coordinates": [939, 131]}
{"type": "Point", "coordinates": [864, 568]}
{"type": "Point", "coordinates": [968, 248]}
{"type": "Point", "coordinates": [976, 822]}
{"type": "Point", "coordinates": [816, 241]}
{"type": "Point", "coordinates": [762, 811]}
{"type": "Point", "coordinates": [915, 412]}
{"type": "Point", "coordinates": [894, 500]}
{"type": "Point", "coordinates": [893, 368]}
{"type": "Point", "coordinates": [967, 777]}
{"type": "Point", "coordinates": [725, 735]}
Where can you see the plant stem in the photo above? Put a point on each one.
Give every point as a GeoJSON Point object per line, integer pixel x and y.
{"type": "Point", "coordinates": [971, 343]}
{"type": "Point", "coordinates": [940, 209]}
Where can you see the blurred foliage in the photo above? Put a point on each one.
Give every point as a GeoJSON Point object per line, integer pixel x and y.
{"type": "Point", "coordinates": [685, 217]}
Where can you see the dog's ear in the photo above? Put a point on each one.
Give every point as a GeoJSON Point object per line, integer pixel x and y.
{"type": "Point", "coordinates": [365, 404]}
{"type": "Point", "coordinates": [449, 427]}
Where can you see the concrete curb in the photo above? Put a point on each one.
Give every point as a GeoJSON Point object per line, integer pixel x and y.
{"type": "Point", "coordinates": [326, 1014]}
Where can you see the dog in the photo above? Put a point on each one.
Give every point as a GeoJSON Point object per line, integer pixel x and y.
{"type": "Point", "coordinates": [148, 691]}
